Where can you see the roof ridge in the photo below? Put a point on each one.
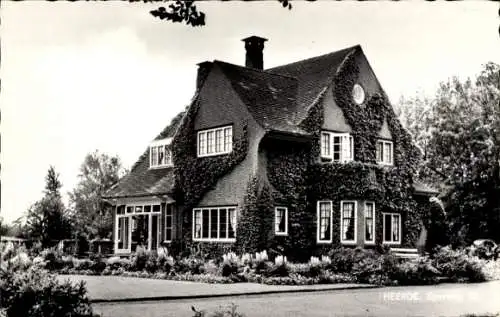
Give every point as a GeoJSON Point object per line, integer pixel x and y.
{"type": "Point", "coordinates": [262, 71]}
{"type": "Point", "coordinates": [314, 57]}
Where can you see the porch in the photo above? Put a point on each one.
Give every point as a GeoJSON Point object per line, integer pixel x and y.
{"type": "Point", "coordinates": [144, 222]}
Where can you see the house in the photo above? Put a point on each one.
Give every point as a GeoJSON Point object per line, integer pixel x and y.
{"type": "Point", "coordinates": [300, 157]}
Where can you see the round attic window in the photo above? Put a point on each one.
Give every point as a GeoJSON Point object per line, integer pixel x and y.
{"type": "Point", "coordinates": [358, 94]}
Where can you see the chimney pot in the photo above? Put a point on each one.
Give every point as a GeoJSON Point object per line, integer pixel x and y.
{"type": "Point", "coordinates": [254, 46]}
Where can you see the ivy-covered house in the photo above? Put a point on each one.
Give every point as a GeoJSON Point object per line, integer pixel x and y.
{"type": "Point", "coordinates": [300, 157]}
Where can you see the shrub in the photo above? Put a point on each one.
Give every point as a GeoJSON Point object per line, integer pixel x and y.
{"type": "Point", "coordinates": [191, 264]}
{"type": "Point", "coordinates": [457, 265]}
{"type": "Point", "coordinates": [36, 293]}
{"type": "Point", "coordinates": [419, 271]}
{"type": "Point", "coordinates": [53, 259]}
{"type": "Point", "coordinates": [139, 259]}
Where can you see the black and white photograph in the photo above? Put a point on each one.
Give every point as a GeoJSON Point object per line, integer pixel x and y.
{"type": "Point", "coordinates": [199, 158]}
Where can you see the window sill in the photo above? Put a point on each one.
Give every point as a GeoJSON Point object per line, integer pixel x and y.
{"type": "Point", "coordinates": [349, 242]}
{"type": "Point", "coordinates": [391, 243]}
{"type": "Point", "coordinates": [215, 240]}
{"type": "Point", "coordinates": [324, 242]}
{"type": "Point", "coordinates": [216, 154]}
{"type": "Point", "coordinates": [282, 234]}
{"type": "Point", "coordinates": [160, 167]}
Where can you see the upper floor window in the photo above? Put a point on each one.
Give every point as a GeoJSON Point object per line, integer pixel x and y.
{"type": "Point", "coordinates": [160, 154]}
{"type": "Point", "coordinates": [337, 147]}
{"type": "Point", "coordinates": [215, 141]}
{"type": "Point", "coordinates": [384, 152]}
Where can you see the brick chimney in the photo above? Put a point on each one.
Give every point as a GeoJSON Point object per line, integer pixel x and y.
{"type": "Point", "coordinates": [254, 46]}
{"type": "Point", "coordinates": [203, 70]}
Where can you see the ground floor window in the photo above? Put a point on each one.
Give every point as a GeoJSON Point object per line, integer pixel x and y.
{"type": "Point", "coordinates": [214, 224]}
{"type": "Point", "coordinates": [281, 221]}
{"type": "Point", "coordinates": [348, 221]}
{"type": "Point", "coordinates": [369, 222]}
{"type": "Point", "coordinates": [324, 232]}
{"type": "Point", "coordinates": [137, 225]}
{"type": "Point", "coordinates": [392, 228]}
{"type": "Point", "coordinates": [169, 223]}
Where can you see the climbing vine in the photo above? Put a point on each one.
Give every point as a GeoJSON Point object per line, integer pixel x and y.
{"type": "Point", "coordinates": [302, 180]}
{"type": "Point", "coordinates": [196, 176]}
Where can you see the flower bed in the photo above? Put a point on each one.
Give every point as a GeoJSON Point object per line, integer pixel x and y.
{"type": "Point", "coordinates": [339, 266]}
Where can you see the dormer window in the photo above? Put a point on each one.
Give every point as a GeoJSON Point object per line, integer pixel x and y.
{"type": "Point", "coordinates": [160, 153]}
{"type": "Point", "coordinates": [215, 141]}
{"type": "Point", "coordinates": [384, 152]}
{"type": "Point", "coordinates": [337, 147]}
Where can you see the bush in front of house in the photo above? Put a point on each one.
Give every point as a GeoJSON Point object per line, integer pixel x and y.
{"type": "Point", "coordinates": [28, 290]}
{"type": "Point", "coordinates": [458, 265]}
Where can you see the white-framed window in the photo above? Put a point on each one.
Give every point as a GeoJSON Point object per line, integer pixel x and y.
{"type": "Point", "coordinates": [385, 152]}
{"type": "Point", "coordinates": [214, 224]}
{"type": "Point", "coordinates": [392, 228]}
{"type": "Point", "coordinates": [324, 224]}
{"type": "Point", "coordinates": [215, 141]}
{"type": "Point", "coordinates": [169, 223]}
{"type": "Point", "coordinates": [281, 221]}
{"type": "Point", "coordinates": [337, 147]}
{"type": "Point", "coordinates": [160, 153]}
{"type": "Point", "coordinates": [348, 221]}
{"type": "Point", "coordinates": [369, 222]}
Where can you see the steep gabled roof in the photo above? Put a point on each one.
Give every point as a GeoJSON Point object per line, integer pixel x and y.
{"type": "Point", "coordinates": [277, 98]}
{"type": "Point", "coordinates": [143, 181]}
{"type": "Point", "coordinates": [270, 98]}
{"type": "Point", "coordinates": [313, 75]}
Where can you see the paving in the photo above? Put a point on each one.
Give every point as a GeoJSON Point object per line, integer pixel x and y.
{"type": "Point", "coordinates": [102, 289]}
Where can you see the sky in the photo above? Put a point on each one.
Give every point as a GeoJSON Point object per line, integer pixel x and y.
{"type": "Point", "coordinates": [84, 76]}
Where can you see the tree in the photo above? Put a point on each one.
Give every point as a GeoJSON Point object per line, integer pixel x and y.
{"type": "Point", "coordinates": [91, 213]}
{"type": "Point", "coordinates": [459, 131]}
{"type": "Point", "coordinates": [187, 12]}
{"type": "Point", "coordinates": [47, 219]}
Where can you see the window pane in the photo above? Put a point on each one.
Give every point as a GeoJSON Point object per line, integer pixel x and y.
{"type": "Point", "coordinates": [138, 209]}
{"type": "Point", "coordinates": [210, 142]}
{"type": "Point", "coordinates": [324, 221]}
{"type": "Point", "coordinates": [197, 224]}
{"type": "Point", "coordinates": [232, 223]}
{"type": "Point", "coordinates": [223, 223]}
{"type": "Point", "coordinates": [228, 139]}
{"type": "Point", "coordinates": [395, 228]}
{"type": "Point", "coordinates": [213, 223]}
{"type": "Point", "coordinates": [387, 227]}
{"type": "Point", "coordinates": [379, 152]}
{"type": "Point", "coordinates": [201, 143]}
{"type": "Point", "coordinates": [154, 158]}
{"type": "Point", "coordinates": [337, 148]}
{"type": "Point", "coordinates": [369, 229]}
{"type": "Point", "coordinates": [348, 221]}
{"type": "Point", "coordinates": [168, 156]}
{"type": "Point", "coordinates": [388, 153]}
{"type": "Point", "coordinates": [280, 220]}
{"type": "Point", "coordinates": [154, 232]}
{"type": "Point", "coordinates": [156, 208]}
{"type": "Point", "coordinates": [161, 155]}
{"type": "Point", "coordinates": [325, 144]}
{"type": "Point", "coordinates": [205, 223]}
{"type": "Point", "coordinates": [219, 140]}
{"type": "Point", "coordinates": [130, 209]}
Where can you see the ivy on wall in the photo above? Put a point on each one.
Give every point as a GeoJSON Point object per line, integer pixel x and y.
{"type": "Point", "coordinates": [303, 180]}
{"type": "Point", "coordinates": [256, 219]}
{"type": "Point", "coordinates": [196, 176]}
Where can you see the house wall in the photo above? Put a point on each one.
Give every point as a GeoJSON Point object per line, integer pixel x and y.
{"type": "Point", "coordinates": [220, 105]}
